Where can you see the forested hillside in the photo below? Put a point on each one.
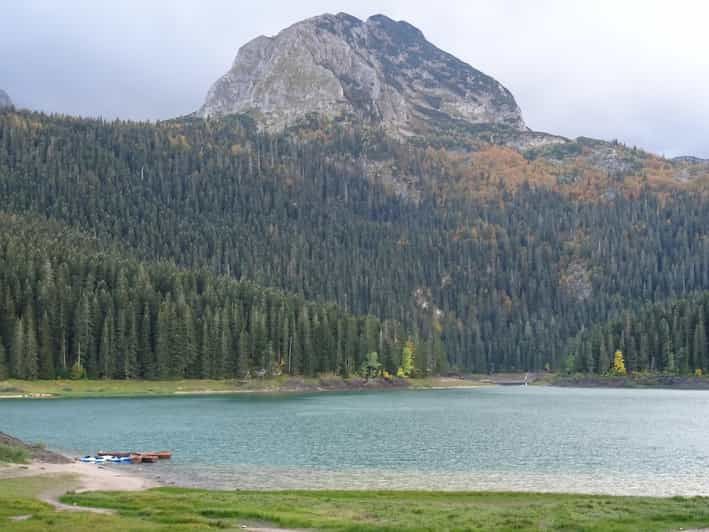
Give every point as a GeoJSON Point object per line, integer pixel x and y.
{"type": "Point", "coordinates": [670, 337]}
{"type": "Point", "coordinates": [69, 308]}
{"type": "Point", "coordinates": [500, 280]}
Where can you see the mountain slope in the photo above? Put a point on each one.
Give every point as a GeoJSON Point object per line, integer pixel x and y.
{"type": "Point", "coordinates": [379, 71]}
{"type": "Point", "coordinates": [502, 281]}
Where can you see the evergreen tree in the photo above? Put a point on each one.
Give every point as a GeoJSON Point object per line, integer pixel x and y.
{"type": "Point", "coordinates": [18, 351]}
{"type": "Point", "coordinates": [46, 349]}
{"type": "Point", "coordinates": [4, 370]}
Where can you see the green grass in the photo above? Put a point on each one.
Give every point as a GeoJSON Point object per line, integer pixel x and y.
{"type": "Point", "coordinates": [13, 455]}
{"type": "Point", "coordinates": [132, 388]}
{"type": "Point", "coordinates": [117, 388]}
{"type": "Point", "coordinates": [18, 497]}
{"type": "Point", "coordinates": [395, 510]}
{"type": "Point", "coordinates": [186, 509]}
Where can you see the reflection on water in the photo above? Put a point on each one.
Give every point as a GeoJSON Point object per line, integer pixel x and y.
{"type": "Point", "coordinates": [652, 442]}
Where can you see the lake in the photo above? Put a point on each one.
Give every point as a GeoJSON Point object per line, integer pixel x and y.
{"type": "Point", "coordinates": [649, 442]}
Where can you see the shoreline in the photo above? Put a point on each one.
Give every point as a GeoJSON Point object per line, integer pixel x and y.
{"type": "Point", "coordinates": [65, 474]}
{"type": "Point", "coordinates": [75, 477]}
{"type": "Point", "coordinates": [634, 382]}
{"type": "Point", "coordinates": [57, 389]}
{"type": "Point", "coordinates": [75, 494]}
{"type": "Point", "coordinates": [89, 477]}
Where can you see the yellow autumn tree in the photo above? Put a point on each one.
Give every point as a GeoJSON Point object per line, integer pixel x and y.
{"type": "Point", "coordinates": [408, 353]}
{"type": "Point", "coordinates": [619, 364]}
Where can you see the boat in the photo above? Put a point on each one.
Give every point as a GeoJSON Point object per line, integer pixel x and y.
{"type": "Point", "coordinates": [118, 459]}
{"type": "Point", "coordinates": [93, 459]}
{"type": "Point", "coordinates": [126, 457]}
{"type": "Point", "coordinates": [119, 454]}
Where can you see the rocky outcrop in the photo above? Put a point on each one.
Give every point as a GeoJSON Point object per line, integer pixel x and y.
{"type": "Point", "coordinates": [5, 100]}
{"type": "Point", "coordinates": [378, 71]}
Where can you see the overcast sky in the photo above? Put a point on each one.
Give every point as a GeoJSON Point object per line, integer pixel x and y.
{"type": "Point", "coordinates": [633, 70]}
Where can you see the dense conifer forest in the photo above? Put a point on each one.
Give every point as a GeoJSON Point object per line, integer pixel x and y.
{"type": "Point", "coordinates": [670, 337]}
{"type": "Point", "coordinates": [70, 309]}
{"type": "Point", "coordinates": [242, 245]}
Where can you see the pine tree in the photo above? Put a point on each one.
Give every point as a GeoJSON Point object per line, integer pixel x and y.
{"type": "Point", "coordinates": [130, 348]}
{"type": "Point", "coordinates": [82, 332]}
{"type": "Point", "coordinates": [665, 341]}
{"type": "Point", "coordinates": [206, 354]}
{"type": "Point", "coordinates": [700, 343]}
{"type": "Point", "coordinates": [163, 334]}
{"type": "Point", "coordinates": [145, 345]}
{"type": "Point", "coordinates": [46, 356]}
{"type": "Point", "coordinates": [308, 366]}
{"type": "Point", "coordinates": [603, 358]}
{"type": "Point", "coordinates": [17, 352]}
{"type": "Point", "coordinates": [4, 370]}
{"type": "Point", "coordinates": [242, 367]}
{"type": "Point", "coordinates": [105, 349]}
{"type": "Point", "coordinates": [31, 349]}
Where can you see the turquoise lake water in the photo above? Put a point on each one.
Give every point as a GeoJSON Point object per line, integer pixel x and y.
{"type": "Point", "coordinates": [510, 438]}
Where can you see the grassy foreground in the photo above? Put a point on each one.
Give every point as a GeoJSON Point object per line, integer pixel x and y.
{"type": "Point", "coordinates": [186, 509]}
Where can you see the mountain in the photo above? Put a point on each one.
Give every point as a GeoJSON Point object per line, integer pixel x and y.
{"type": "Point", "coordinates": [5, 100]}
{"type": "Point", "coordinates": [378, 71]}
{"type": "Point", "coordinates": [235, 244]}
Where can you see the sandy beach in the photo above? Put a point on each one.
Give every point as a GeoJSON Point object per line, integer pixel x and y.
{"type": "Point", "coordinates": [78, 477]}
{"type": "Point", "coordinates": [90, 477]}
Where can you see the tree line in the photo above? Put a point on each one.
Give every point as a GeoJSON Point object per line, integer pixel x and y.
{"type": "Point", "coordinates": [69, 308]}
{"type": "Point", "coordinates": [669, 337]}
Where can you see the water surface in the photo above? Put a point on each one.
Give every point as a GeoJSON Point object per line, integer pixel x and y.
{"type": "Point", "coordinates": [511, 438]}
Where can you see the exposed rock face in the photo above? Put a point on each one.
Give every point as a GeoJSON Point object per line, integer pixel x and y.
{"type": "Point", "coordinates": [379, 71]}
{"type": "Point", "coordinates": [4, 99]}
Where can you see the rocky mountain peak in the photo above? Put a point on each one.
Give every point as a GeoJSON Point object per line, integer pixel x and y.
{"type": "Point", "coordinates": [4, 99]}
{"type": "Point", "coordinates": [379, 71]}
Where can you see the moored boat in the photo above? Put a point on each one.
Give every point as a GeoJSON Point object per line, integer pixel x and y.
{"type": "Point", "coordinates": [93, 459]}
{"type": "Point", "coordinates": [125, 457]}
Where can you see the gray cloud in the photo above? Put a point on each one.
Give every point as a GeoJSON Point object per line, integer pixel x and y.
{"type": "Point", "coordinates": [637, 71]}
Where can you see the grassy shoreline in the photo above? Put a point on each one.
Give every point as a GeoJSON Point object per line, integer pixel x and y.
{"type": "Point", "coordinates": [183, 509]}
{"type": "Point", "coordinates": [44, 500]}
{"type": "Point", "coordinates": [50, 389]}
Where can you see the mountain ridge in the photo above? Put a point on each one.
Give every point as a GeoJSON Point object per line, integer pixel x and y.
{"type": "Point", "coordinates": [5, 100]}
{"type": "Point", "coordinates": [378, 70]}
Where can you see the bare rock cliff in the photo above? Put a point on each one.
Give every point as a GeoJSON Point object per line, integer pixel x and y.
{"type": "Point", "coordinates": [379, 71]}
{"type": "Point", "coordinates": [4, 99]}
